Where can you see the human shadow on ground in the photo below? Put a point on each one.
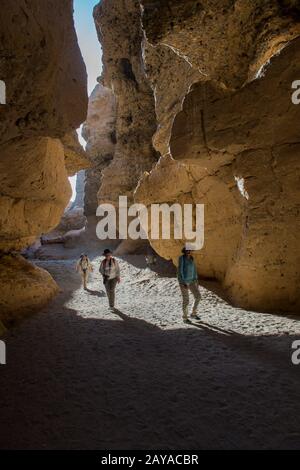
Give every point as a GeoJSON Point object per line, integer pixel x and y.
{"type": "Point", "coordinates": [96, 293]}
{"type": "Point", "coordinates": [119, 382]}
{"type": "Point", "coordinates": [122, 383]}
{"type": "Point", "coordinates": [135, 322]}
{"type": "Point", "coordinates": [203, 325]}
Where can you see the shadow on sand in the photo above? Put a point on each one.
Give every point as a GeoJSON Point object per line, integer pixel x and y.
{"type": "Point", "coordinates": [122, 383]}
{"type": "Point", "coordinates": [74, 382]}
{"type": "Point", "coordinates": [96, 293]}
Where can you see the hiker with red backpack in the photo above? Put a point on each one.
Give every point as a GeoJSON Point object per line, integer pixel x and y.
{"type": "Point", "coordinates": [110, 271]}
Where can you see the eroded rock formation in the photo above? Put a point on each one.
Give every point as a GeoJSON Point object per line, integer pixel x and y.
{"type": "Point", "coordinates": [75, 157]}
{"type": "Point", "coordinates": [220, 75]}
{"type": "Point", "coordinates": [206, 86]}
{"type": "Point", "coordinates": [170, 77]}
{"type": "Point", "coordinates": [24, 288]}
{"type": "Point", "coordinates": [46, 100]}
{"type": "Point", "coordinates": [225, 40]}
{"type": "Point", "coordinates": [120, 32]}
{"type": "Point", "coordinates": [99, 131]}
{"type": "Point", "coordinates": [236, 151]}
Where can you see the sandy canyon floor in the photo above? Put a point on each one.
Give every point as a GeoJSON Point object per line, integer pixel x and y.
{"type": "Point", "coordinates": [79, 376]}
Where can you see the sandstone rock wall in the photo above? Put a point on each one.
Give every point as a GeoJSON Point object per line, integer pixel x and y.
{"type": "Point", "coordinates": [227, 41]}
{"type": "Point", "coordinates": [46, 100]}
{"type": "Point", "coordinates": [99, 131]}
{"type": "Point", "coordinates": [75, 157]}
{"type": "Point", "coordinates": [120, 33]}
{"type": "Point", "coordinates": [170, 77]}
{"type": "Point", "coordinates": [207, 85]}
{"type": "Point", "coordinates": [236, 152]}
{"type": "Point", "coordinates": [24, 288]}
{"type": "Point", "coordinates": [35, 189]}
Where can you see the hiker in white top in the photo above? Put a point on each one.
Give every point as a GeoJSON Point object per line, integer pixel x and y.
{"type": "Point", "coordinates": [110, 271]}
{"type": "Point", "coordinates": [84, 267]}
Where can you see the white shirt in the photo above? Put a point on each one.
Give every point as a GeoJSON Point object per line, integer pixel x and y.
{"type": "Point", "coordinates": [110, 268]}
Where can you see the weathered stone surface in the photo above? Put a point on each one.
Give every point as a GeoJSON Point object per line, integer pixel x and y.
{"type": "Point", "coordinates": [171, 78]}
{"type": "Point", "coordinates": [2, 329]}
{"type": "Point", "coordinates": [238, 153]}
{"type": "Point", "coordinates": [219, 75]}
{"type": "Point", "coordinates": [43, 70]}
{"type": "Point", "coordinates": [73, 219]}
{"type": "Point", "coordinates": [35, 190]}
{"type": "Point", "coordinates": [45, 78]}
{"type": "Point", "coordinates": [76, 158]}
{"type": "Point", "coordinates": [99, 131]}
{"type": "Point", "coordinates": [224, 40]}
{"type": "Point", "coordinates": [121, 35]}
{"type": "Point", "coordinates": [24, 288]}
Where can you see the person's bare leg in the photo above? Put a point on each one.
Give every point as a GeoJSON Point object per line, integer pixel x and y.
{"type": "Point", "coordinates": [84, 280]}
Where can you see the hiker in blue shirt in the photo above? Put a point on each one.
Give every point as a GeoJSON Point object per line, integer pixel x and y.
{"type": "Point", "coordinates": [188, 281]}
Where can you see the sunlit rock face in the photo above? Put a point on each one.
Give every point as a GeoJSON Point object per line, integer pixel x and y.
{"type": "Point", "coordinates": [24, 288]}
{"type": "Point", "coordinates": [75, 157]}
{"type": "Point", "coordinates": [35, 189]}
{"type": "Point", "coordinates": [227, 41]}
{"type": "Point", "coordinates": [238, 153]}
{"type": "Point", "coordinates": [121, 35]}
{"type": "Point", "coordinates": [43, 69]}
{"type": "Point", "coordinates": [170, 77]}
{"type": "Point", "coordinates": [99, 131]}
{"type": "Point", "coordinates": [207, 85]}
{"type": "Point", "coordinates": [46, 100]}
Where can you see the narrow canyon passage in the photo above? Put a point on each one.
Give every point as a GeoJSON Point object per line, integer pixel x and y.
{"type": "Point", "coordinates": [84, 378]}
{"type": "Point", "coordinates": [181, 109]}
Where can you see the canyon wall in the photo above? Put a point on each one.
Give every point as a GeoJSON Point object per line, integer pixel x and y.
{"type": "Point", "coordinates": [207, 87]}
{"type": "Point", "coordinates": [238, 153]}
{"type": "Point", "coordinates": [225, 40]}
{"type": "Point", "coordinates": [99, 132]}
{"type": "Point", "coordinates": [234, 145]}
{"type": "Point", "coordinates": [46, 101]}
{"type": "Point", "coordinates": [121, 36]}
{"type": "Point", "coordinates": [75, 157]}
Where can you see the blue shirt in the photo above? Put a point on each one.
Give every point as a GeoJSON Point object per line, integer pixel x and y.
{"type": "Point", "coordinates": [187, 271]}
